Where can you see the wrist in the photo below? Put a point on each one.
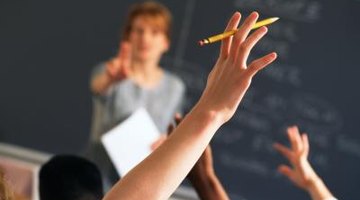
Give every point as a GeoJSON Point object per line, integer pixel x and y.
{"type": "Point", "coordinates": [109, 79]}
{"type": "Point", "coordinates": [313, 183]}
{"type": "Point", "coordinates": [203, 175]}
{"type": "Point", "coordinates": [318, 190]}
{"type": "Point", "coordinates": [202, 180]}
{"type": "Point", "coordinates": [209, 187]}
{"type": "Point", "coordinates": [206, 113]}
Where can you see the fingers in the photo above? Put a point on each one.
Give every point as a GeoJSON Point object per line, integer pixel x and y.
{"type": "Point", "coordinates": [242, 34]}
{"type": "Point", "coordinates": [226, 43]}
{"type": "Point", "coordinates": [119, 67]}
{"type": "Point", "coordinates": [287, 171]}
{"type": "Point", "coordinates": [248, 44]}
{"type": "Point", "coordinates": [261, 63]}
{"type": "Point", "coordinates": [125, 57]}
{"type": "Point", "coordinates": [124, 50]}
{"type": "Point", "coordinates": [125, 70]}
{"type": "Point", "coordinates": [295, 139]}
{"type": "Point", "coordinates": [294, 145]}
{"type": "Point", "coordinates": [305, 141]}
{"type": "Point", "coordinates": [170, 129]}
{"type": "Point", "coordinates": [247, 26]}
{"type": "Point", "coordinates": [298, 139]}
{"type": "Point", "coordinates": [178, 118]}
{"type": "Point", "coordinates": [283, 150]}
{"type": "Point", "coordinates": [158, 142]}
{"type": "Point", "coordinates": [111, 67]}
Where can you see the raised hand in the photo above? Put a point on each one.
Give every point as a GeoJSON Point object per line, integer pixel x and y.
{"type": "Point", "coordinates": [118, 68]}
{"type": "Point", "coordinates": [231, 75]}
{"type": "Point", "coordinates": [301, 173]}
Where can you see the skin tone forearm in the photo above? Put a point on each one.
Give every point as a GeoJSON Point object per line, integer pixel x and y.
{"type": "Point", "coordinates": [101, 83]}
{"type": "Point", "coordinates": [202, 176]}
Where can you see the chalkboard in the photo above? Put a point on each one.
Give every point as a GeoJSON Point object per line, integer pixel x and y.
{"type": "Point", "coordinates": [312, 84]}
{"type": "Point", "coordinates": [47, 51]}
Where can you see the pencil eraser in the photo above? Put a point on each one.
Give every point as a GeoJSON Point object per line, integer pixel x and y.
{"type": "Point", "coordinates": [201, 43]}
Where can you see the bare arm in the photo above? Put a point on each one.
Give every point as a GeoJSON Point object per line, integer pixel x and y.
{"type": "Point", "coordinates": [301, 173]}
{"type": "Point", "coordinates": [101, 83]}
{"type": "Point", "coordinates": [161, 172]}
{"type": "Point", "coordinates": [202, 176]}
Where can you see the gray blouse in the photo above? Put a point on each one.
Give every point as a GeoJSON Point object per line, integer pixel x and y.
{"type": "Point", "coordinates": [123, 98]}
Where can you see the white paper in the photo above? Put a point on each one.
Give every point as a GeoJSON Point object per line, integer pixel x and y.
{"type": "Point", "coordinates": [129, 143]}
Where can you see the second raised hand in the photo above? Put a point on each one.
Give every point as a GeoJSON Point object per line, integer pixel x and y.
{"type": "Point", "coordinates": [119, 67]}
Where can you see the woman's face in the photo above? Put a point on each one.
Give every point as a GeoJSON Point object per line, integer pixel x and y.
{"type": "Point", "coordinates": [148, 41]}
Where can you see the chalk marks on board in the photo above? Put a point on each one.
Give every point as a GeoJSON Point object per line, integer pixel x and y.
{"type": "Point", "coordinates": [317, 112]}
{"type": "Point", "coordinates": [279, 46]}
{"type": "Point", "coordinates": [265, 116]}
{"type": "Point", "coordinates": [232, 136]}
{"type": "Point", "coordinates": [284, 74]}
{"type": "Point", "coordinates": [253, 121]}
{"type": "Point", "coordinates": [284, 30]}
{"type": "Point", "coordinates": [298, 10]}
{"type": "Point", "coordinates": [349, 146]}
{"type": "Point", "coordinates": [235, 162]}
{"type": "Point", "coordinates": [263, 143]}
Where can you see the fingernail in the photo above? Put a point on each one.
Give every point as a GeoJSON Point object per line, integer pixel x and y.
{"type": "Point", "coordinates": [254, 13]}
{"type": "Point", "coordinates": [237, 14]}
{"type": "Point", "coordinates": [264, 28]}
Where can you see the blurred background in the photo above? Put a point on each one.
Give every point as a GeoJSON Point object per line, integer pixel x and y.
{"type": "Point", "coordinates": [48, 49]}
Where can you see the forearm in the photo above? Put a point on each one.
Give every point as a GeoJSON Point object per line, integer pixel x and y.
{"type": "Point", "coordinates": [318, 190]}
{"type": "Point", "coordinates": [208, 187]}
{"type": "Point", "coordinates": [101, 83]}
{"type": "Point", "coordinates": [161, 172]}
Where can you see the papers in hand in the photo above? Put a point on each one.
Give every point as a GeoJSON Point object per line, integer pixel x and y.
{"type": "Point", "coordinates": [129, 143]}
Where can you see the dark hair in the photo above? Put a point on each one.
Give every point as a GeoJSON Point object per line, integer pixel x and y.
{"type": "Point", "coordinates": [67, 177]}
{"type": "Point", "coordinates": [152, 10]}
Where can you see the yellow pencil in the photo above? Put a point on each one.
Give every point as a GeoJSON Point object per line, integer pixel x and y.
{"type": "Point", "coordinates": [221, 36]}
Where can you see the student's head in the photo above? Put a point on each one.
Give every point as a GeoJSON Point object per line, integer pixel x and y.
{"type": "Point", "coordinates": [147, 29]}
{"type": "Point", "coordinates": [68, 177]}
